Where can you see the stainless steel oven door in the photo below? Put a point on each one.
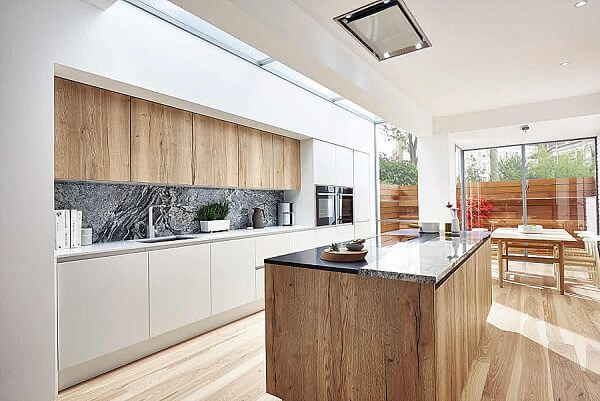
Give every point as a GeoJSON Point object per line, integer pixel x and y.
{"type": "Point", "coordinates": [346, 209]}
{"type": "Point", "coordinates": [326, 206]}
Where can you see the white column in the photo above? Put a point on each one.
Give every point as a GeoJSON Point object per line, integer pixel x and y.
{"type": "Point", "coordinates": [436, 164]}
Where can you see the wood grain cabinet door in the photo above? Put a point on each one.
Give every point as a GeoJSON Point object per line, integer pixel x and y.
{"type": "Point", "coordinates": [161, 143]}
{"type": "Point", "coordinates": [91, 128]}
{"type": "Point", "coordinates": [286, 163]}
{"type": "Point", "coordinates": [215, 152]}
{"type": "Point", "coordinates": [256, 158]}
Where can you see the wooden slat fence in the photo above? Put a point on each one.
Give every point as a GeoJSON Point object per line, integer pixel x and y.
{"type": "Point", "coordinates": [554, 203]}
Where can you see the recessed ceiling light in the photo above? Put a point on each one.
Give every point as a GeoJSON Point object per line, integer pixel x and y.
{"type": "Point", "coordinates": [580, 3]}
{"type": "Point", "coordinates": [386, 55]}
{"type": "Point", "coordinates": [418, 45]}
{"type": "Point", "coordinates": [565, 63]}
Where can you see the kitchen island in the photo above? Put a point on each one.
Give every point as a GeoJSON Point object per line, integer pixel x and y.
{"type": "Point", "coordinates": [402, 325]}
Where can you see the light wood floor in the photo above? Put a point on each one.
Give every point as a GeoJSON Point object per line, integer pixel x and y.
{"type": "Point", "coordinates": [538, 346]}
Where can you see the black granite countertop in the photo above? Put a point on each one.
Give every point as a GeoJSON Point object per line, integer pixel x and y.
{"type": "Point", "coordinates": [428, 258]}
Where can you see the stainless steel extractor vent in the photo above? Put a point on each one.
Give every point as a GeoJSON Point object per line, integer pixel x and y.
{"type": "Point", "coordinates": [386, 28]}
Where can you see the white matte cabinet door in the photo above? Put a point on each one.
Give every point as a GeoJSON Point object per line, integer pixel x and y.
{"type": "Point", "coordinates": [344, 233]}
{"type": "Point", "coordinates": [102, 306]}
{"type": "Point", "coordinates": [270, 246]}
{"type": "Point", "coordinates": [362, 230]}
{"type": "Point", "coordinates": [325, 236]}
{"type": "Point", "coordinates": [324, 163]}
{"type": "Point", "coordinates": [362, 187]}
{"type": "Point", "coordinates": [232, 277]}
{"type": "Point", "coordinates": [179, 281]}
{"type": "Point", "coordinates": [344, 167]}
{"type": "Point", "coordinates": [302, 240]}
{"type": "Point", "coordinates": [260, 283]}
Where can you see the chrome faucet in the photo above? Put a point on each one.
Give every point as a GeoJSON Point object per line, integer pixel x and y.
{"type": "Point", "coordinates": [151, 230]}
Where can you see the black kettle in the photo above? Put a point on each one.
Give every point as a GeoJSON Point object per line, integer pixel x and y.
{"type": "Point", "coordinates": [258, 218]}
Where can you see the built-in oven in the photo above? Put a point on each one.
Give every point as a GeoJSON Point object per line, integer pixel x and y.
{"type": "Point", "coordinates": [345, 207]}
{"type": "Point", "coordinates": [326, 205]}
{"type": "Point", "coordinates": [335, 205]}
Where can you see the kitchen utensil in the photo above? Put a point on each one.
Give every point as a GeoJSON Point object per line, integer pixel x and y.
{"type": "Point", "coordinates": [344, 255]}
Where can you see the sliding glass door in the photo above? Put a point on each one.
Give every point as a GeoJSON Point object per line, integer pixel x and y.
{"type": "Point", "coordinates": [550, 183]}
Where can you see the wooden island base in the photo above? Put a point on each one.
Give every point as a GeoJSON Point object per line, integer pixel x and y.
{"type": "Point", "coordinates": [338, 336]}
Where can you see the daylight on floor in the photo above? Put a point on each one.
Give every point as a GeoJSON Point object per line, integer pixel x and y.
{"type": "Point", "coordinates": [299, 200]}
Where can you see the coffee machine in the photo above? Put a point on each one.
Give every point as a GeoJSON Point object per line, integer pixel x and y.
{"type": "Point", "coordinates": [285, 214]}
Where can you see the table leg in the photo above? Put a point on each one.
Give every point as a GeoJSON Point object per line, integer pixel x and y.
{"type": "Point", "coordinates": [561, 268]}
{"type": "Point", "coordinates": [500, 265]}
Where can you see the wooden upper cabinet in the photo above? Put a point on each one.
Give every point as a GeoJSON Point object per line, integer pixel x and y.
{"type": "Point", "coordinates": [91, 133]}
{"type": "Point", "coordinates": [255, 158]}
{"type": "Point", "coordinates": [286, 162]}
{"type": "Point", "coordinates": [215, 152]}
{"type": "Point", "coordinates": [291, 163]}
{"type": "Point", "coordinates": [161, 143]}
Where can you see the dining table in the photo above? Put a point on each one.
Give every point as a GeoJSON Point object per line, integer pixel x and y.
{"type": "Point", "coordinates": [553, 239]}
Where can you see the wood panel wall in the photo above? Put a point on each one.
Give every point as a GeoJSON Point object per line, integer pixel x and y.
{"type": "Point", "coordinates": [554, 202]}
{"type": "Point", "coordinates": [161, 143]}
{"type": "Point", "coordinates": [462, 305]}
{"type": "Point", "coordinates": [91, 133]}
{"type": "Point", "coordinates": [337, 336]}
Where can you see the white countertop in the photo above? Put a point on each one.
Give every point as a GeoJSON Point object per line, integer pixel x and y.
{"type": "Point", "coordinates": [131, 246]}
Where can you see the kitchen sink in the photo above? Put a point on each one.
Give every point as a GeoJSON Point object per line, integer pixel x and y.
{"type": "Point", "coordinates": [165, 239]}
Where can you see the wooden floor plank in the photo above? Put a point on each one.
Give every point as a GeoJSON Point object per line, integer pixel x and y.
{"type": "Point", "coordinates": [537, 345]}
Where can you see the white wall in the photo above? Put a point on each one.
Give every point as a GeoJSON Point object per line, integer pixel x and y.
{"type": "Point", "coordinates": [133, 50]}
{"type": "Point", "coordinates": [437, 172]}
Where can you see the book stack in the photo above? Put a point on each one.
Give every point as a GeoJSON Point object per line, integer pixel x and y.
{"type": "Point", "coordinates": [68, 228]}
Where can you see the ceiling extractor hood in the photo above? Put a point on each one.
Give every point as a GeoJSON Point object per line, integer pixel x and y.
{"type": "Point", "coordinates": [386, 28]}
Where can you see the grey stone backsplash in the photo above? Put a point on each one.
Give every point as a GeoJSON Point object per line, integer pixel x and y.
{"type": "Point", "coordinates": [119, 211]}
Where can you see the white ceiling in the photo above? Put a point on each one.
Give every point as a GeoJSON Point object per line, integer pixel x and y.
{"type": "Point", "coordinates": [486, 54]}
{"type": "Point", "coordinates": [551, 130]}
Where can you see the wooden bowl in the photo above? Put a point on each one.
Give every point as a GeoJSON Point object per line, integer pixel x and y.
{"type": "Point", "coordinates": [343, 255]}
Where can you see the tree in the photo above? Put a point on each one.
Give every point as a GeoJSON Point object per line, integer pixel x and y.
{"type": "Point", "coordinates": [494, 165]}
{"type": "Point", "coordinates": [404, 141]}
{"type": "Point", "coordinates": [509, 168]}
{"type": "Point", "coordinates": [473, 171]}
{"type": "Point", "coordinates": [572, 164]}
{"type": "Point", "coordinates": [397, 172]}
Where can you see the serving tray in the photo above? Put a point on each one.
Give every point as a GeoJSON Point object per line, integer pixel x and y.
{"type": "Point", "coordinates": [343, 255]}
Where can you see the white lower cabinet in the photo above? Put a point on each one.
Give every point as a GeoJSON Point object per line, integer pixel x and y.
{"type": "Point", "coordinates": [270, 246]}
{"type": "Point", "coordinates": [179, 285]}
{"type": "Point", "coordinates": [102, 306]}
{"type": "Point", "coordinates": [232, 274]}
{"type": "Point", "coordinates": [344, 233]}
{"type": "Point", "coordinates": [260, 283]}
{"type": "Point", "coordinates": [362, 229]}
{"type": "Point", "coordinates": [301, 240]}
{"type": "Point", "coordinates": [326, 235]}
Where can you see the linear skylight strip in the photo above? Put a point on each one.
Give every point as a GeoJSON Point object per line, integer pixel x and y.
{"type": "Point", "coordinates": [194, 25]}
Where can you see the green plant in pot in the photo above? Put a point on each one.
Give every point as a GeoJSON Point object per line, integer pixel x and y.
{"type": "Point", "coordinates": [212, 217]}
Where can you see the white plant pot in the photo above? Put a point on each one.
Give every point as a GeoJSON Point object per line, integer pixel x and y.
{"type": "Point", "coordinates": [214, 225]}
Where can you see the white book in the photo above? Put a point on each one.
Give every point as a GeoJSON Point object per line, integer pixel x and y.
{"type": "Point", "coordinates": [63, 229]}
{"type": "Point", "coordinates": [76, 217]}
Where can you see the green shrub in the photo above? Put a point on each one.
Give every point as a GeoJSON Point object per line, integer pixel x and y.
{"type": "Point", "coordinates": [213, 211]}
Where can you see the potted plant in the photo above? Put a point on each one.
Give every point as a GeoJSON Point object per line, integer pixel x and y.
{"type": "Point", "coordinates": [212, 217]}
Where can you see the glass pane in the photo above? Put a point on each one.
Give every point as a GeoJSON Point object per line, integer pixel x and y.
{"type": "Point", "coordinates": [398, 176]}
{"type": "Point", "coordinates": [301, 80]}
{"type": "Point", "coordinates": [349, 105]}
{"type": "Point", "coordinates": [195, 25]}
{"type": "Point", "coordinates": [561, 185]}
{"type": "Point", "coordinates": [493, 188]}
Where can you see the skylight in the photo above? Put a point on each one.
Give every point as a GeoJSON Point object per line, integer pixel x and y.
{"type": "Point", "coordinates": [181, 18]}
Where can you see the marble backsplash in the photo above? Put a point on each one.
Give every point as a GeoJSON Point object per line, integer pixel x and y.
{"type": "Point", "coordinates": [118, 211]}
